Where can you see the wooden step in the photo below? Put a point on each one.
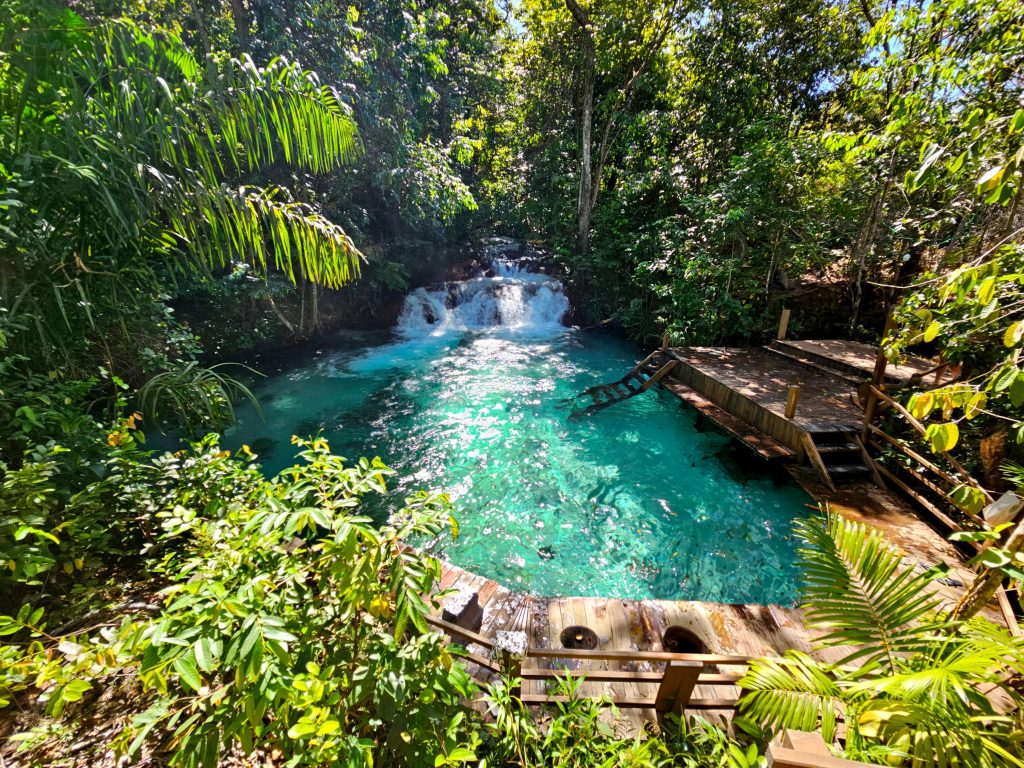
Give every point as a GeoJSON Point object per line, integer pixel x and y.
{"type": "Point", "coordinates": [763, 444]}
{"type": "Point", "coordinates": [817, 363]}
{"type": "Point", "coordinates": [849, 472]}
{"type": "Point", "coordinates": [824, 448]}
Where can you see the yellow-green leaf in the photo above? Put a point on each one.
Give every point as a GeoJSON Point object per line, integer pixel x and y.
{"type": "Point", "coordinates": [968, 498]}
{"type": "Point", "coordinates": [987, 290]}
{"type": "Point", "coordinates": [943, 437]}
{"type": "Point", "coordinates": [1014, 334]}
{"type": "Point", "coordinates": [921, 405]}
{"type": "Point", "coordinates": [991, 178]}
{"type": "Point", "coordinates": [932, 331]}
{"type": "Point", "coordinates": [975, 404]}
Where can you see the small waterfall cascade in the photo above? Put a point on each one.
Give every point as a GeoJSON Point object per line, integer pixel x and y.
{"type": "Point", "coordinates": [509, 293]}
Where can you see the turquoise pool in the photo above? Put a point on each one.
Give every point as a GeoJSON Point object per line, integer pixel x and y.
{"type": "Point", "coordinates": [630, 502]}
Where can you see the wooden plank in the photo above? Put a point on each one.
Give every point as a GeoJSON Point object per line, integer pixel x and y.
{"type": "Point", "coordinates": [783, 324]}
{"type": "Point", "coordinates": [616, 675]}
{"type": "Point", "coordinates": [913, 454]}
{"type": "Point", "coordinates": [811, 451]}
{"type": "Point", "coordinates": [792, 400]}
{"type": "Point", "coordinates": [456, 631]}
{"type": "Point", "coordinates": [543, 698]}
{"type": "Point", "coordinates": [704, 658]}
{"type": "Point", "coordinates": [782, 757]}
{"type": "Point", "coordinates": [869, 461]}
{"type": "Point", "coordinates": [967, 478]}
{"type": "Point", "coordinates": [832, 372]}
{"type": "Point", "coordinates": [761, 442]}
{"type": "Point", "coordinates": [659, 375]}
{"type": "Point", "coordinates": [934, 510]}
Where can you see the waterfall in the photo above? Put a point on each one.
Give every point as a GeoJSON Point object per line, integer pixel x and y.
{"type": "Point", "coordinates": [508, 294]}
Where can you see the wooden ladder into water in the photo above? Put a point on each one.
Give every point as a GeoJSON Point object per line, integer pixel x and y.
{"type": "Point", "coordinates": [644, 375]}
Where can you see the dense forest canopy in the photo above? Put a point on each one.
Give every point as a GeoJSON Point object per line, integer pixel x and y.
{"type": "Point", "coordinates": [186, 183]}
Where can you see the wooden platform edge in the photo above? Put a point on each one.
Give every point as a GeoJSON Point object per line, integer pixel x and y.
{"type": "Point", "coordinates": [763, 444]}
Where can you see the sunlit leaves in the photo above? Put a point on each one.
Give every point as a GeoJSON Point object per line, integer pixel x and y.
{"type": "Point", "coordinates": [137, 162]}
{"type": "Point", "coordinates": [943, 437]}
{"type": "Point", "coordinates": [302, 616]}
{"type": "Point", "coordinates": [926, 699]}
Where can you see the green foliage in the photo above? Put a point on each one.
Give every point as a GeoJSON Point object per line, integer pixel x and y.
{"type": "Point", "coordinates": [911, 690]}
{"type": "Point", "coordinates": [192, 396]}
{"type": "Point", "coordinates": [126, 163]}
{"type": "Point", "coordinates": [579, 733]}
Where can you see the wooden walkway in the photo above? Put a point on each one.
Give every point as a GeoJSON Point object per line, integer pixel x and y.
{"type": "Point", "coordinates": [791, 399]}
{"type": "Point", "coordinates": [767, 447]}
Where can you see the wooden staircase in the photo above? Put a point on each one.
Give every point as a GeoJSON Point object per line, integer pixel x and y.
{"type": "Point", "coordinates": [644, 375]}
{"type": "Point", "coordinates": [839, 457]}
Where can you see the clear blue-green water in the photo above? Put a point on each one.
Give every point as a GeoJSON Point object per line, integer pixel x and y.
{"type": "Point", "coordinates": [629, 502]}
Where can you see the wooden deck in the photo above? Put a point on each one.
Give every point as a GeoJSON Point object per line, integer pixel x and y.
{"type": "Point", "coordinates": [767, 447]}
{"type": "Point", "coordinates": [791, 399]}
{"type": "Point", "coordinates": [752, 384]}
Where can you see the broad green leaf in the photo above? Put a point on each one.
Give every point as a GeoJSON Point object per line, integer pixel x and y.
{"type": "Point", "coordinates": [986, 290]}
{"type": "Point", "coordinates": [932, 331]}
{"type": "Point", "coordinates": [943, 437]}
{"type": "Point", "coordinates": [993, 557]}
{"type": "Point", "coordinates": [1017, 390]}
{"type": "Point", "coordinates": [968, 498]}
{"type": "Point", "coordinates": [1017, 121]}
{"type": "Point", "coordinates": [185, 666]}
{"type": "Point", "coordinates": [990, 179]}
{"type": "Point", "coordinates": [207, 652]}
{"type": "Point", "coordinates": [461, 755]}
{"type": "Point", "coordinates": [975, 405]}
{"type": "Point", "coordinates": [301, 729]}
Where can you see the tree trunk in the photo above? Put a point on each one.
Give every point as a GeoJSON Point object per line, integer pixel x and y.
{"type": "Point", "coordinates": [586, 204]}
{"type": "Point", "coordinates": [240, 15]}
{"type": "Point", "coordinates": [981, 592]}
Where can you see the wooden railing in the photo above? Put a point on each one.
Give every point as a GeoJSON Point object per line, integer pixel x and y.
{"type": "Point", "coordinates": [682, 673]}
{"type": "Point", "coordinates": [676, 681]}
{"type": "Point", "coordinates": [928, 474]}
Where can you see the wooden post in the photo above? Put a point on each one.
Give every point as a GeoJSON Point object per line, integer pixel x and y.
{"type": "Point", "coordinates": [664, 339]}
{"type": "Point", "coordinates": [877, 379]}
{"type": "Point", "coordinates": [783, 325]}
{"type": "Point", "coordinates": [792, 399]}
{"type": "Point", "coordinates": [677, 686]}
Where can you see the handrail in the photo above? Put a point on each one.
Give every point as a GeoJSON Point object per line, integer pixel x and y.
{"type": "Point", "coordinates": [461, 632]}
{"type": "Point", "coordinates": [870, 429]}
{"type": "Point", "coordinates": [917, 425]}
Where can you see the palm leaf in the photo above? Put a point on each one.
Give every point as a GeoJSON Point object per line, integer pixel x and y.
{"type": "Point", "coordinates": [855, 586]}
{"type": "Point", "coordinates": [933, 734]}
{"type": "Point", "coordinates": [792, 692]}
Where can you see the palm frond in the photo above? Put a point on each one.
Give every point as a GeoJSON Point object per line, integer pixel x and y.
{"type": "Point", "coordinates": [934, 735]}
{"type": "Point", "coordinates": [217, 226]}
{"type": "Point", "coordinates": [856, 586]}
{"type": "Point", "coordinates": [792, 692]}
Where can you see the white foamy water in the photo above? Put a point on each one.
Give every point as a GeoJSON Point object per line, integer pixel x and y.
{"type": "Point", "coordinates": [512, 297]}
